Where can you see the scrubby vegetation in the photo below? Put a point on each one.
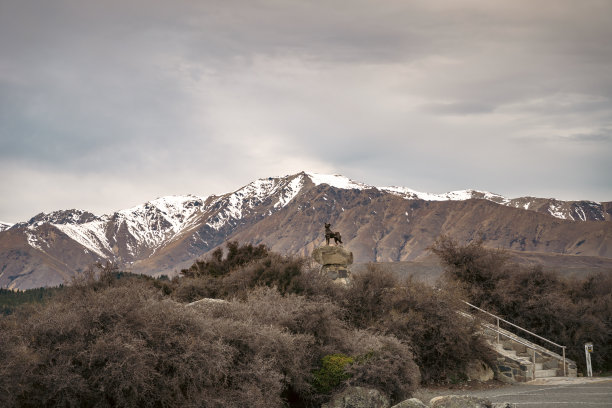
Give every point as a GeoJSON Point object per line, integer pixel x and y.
{"type": "Point", "coordinates": [570, 312]}
{"type": "Point", "coordinates": [245, 327]}
{"type": "Point", "coordinates": [10, 300]}
{"type": "Point", "coordinates": [249, 327]}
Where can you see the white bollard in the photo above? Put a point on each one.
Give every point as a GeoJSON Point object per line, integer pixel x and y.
{"type": "Point", "coordinates": [588, 349]}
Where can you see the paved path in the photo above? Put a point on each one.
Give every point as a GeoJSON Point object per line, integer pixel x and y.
{"type": "Point", "coordinates": [561, 392]}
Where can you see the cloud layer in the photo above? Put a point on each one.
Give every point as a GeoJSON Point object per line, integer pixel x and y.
{"type": "Point", "coordinates": [104, 105]}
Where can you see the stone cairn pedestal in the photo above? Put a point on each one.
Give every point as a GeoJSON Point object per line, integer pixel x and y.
{"type": "Point", "coordinates": [334, 262]}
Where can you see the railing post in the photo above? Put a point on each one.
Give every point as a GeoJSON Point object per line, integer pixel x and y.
{"type": "Point", "coordinates": [497, 318]}
{"type": "Point", "coordinates": [564, 372]}
{"type": "Point", "coordinates": [533, 354]}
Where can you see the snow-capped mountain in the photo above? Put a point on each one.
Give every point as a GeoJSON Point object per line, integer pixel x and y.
{"type": "Point", "coordinates": [282, 212]}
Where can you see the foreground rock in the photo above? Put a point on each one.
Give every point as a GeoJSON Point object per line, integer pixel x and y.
{"type": "Point", "coordinates": [410, 403]}
{"type": "Point", "coordinates": [358, 397]}
{"type": "Point", "coordinates": [459, 401]}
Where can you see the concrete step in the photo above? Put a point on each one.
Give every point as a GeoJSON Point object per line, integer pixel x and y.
{"type": "Point", "coordinates": [545, 373]}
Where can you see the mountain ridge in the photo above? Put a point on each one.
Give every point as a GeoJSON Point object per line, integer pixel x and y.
{"type": "Point", "coordinates": [160, 234]}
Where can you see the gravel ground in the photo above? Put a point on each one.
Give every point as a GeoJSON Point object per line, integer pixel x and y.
{"type": "Point", "coordinates": [541, 393]}
{"type": "Point", "coordinates": [426, 394]}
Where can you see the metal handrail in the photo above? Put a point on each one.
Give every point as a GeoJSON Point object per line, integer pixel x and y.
{"type": "Point", "coordinates": [520, 328]}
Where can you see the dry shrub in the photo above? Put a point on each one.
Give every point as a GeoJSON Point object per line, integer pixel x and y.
{"type": "Point", "coordinates": [443, 341]}
{"type": "Point", "coordinates": [423, 317]}
{"type": "Point", "coordinates": [273, 270]}
{"type": "Point", "coordinates": [236, 256]}
{"type": "Point", "coordinates": [367, 297]}
{"type": "Point", "coordinates": [190, 289]}
{"type": "Point", "coordinates": [567, 311]}
{"type": "Point", "coordinates": [109, 342]}
{"type": "Point", "coordinates": [122, 343]}
{"type": "Point", "coordinates": [119, 346]}
{"type": "Point", "coordinates": [244, 268]}
{"type": "Point", "coordinates": [389, 366]}
{"type": "Point", "coordinates": [477, 269]}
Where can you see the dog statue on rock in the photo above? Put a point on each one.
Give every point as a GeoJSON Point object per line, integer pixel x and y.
{"type": "Point", "coordinates": [329, 234]}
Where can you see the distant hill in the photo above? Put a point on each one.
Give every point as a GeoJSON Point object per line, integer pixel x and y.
{"type": "Point", "coordinates": [382, 224]}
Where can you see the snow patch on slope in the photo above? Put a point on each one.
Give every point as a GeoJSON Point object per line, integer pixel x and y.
{"type": "Point", "coordinates": [154, 222]}
{"type": "Point", "coordinates": [33, 240]}
{"type": "Point", "coordinates": [91, 235]}
{"type": "Point", "coordinates": [4, 226]}
{"type": "Point", "coordinates": [247, 198]}
{"type": "Point", "coordinates": [459, 195]}
{"type": "Point", "coordinates": [290, 192]}
{"type": "Point", "coordinates": [555, 210]}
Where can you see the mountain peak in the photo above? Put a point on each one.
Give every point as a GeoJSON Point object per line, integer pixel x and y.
{"type": "Point", "coordinates": [73, 216]}
{"type": "Point", "coordinates": [336, 180]}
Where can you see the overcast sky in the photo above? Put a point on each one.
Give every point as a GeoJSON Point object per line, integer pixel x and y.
{"type": "Point", "coordinates": [107, 104]}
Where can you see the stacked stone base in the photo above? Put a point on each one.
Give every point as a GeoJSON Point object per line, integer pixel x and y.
{"type": "Point", "coordinates": [334, 262]}
{"type": "Point", "coordinates": [336, 272]}
{"type": "Point", "coordinates": [511, 371]}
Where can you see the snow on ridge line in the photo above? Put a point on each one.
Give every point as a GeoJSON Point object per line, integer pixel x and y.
{"type": "Point", "coordinates": [254, 192]}
{"type": "Point", "coordinates": [339, 181]}
{"type": "Point", "coordinates": [336, 180]}
{"type": "Point", "coordinates": [161, 203]}
{"type": "Point", "coordinates": [459, 195]}
{"type": "Point", "coordinates": [294, 188]}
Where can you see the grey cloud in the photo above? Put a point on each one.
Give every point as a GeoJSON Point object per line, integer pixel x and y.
{"type": "Point", "coordinates": [459, 108]}
{"type": "Point", "coordinates": [604, 135]}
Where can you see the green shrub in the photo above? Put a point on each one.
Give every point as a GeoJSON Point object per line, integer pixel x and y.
{"type": "Point", "coordinates": [332, 373]}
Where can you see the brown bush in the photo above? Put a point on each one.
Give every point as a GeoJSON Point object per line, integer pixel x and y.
{"type": "Point", "coordinates": [121, 343]}
{"type": "Point", "coordinates": [244, 268]}
{"type": "Point", "coordinates": [475, 268]}
{"type": "Point", "coordinates": [389, 367]}
{"type": "Point", "coordinates": [236, 256]}
{"type": "Point", "coordinates": [367, 297]}
{"type": "Point", "coordinates": [567, 311]}
{"type": "Point", "coordinates": [119, 346]}
{"type": "Point", "coordinates": [423, 317]}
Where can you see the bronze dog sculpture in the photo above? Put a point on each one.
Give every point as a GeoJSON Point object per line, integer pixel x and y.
{"type": "Point", "coordinates": [329, 234]}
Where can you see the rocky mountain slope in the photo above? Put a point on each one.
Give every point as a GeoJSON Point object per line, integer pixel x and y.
{"type": "Point", "coordinates": [287, 214]}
